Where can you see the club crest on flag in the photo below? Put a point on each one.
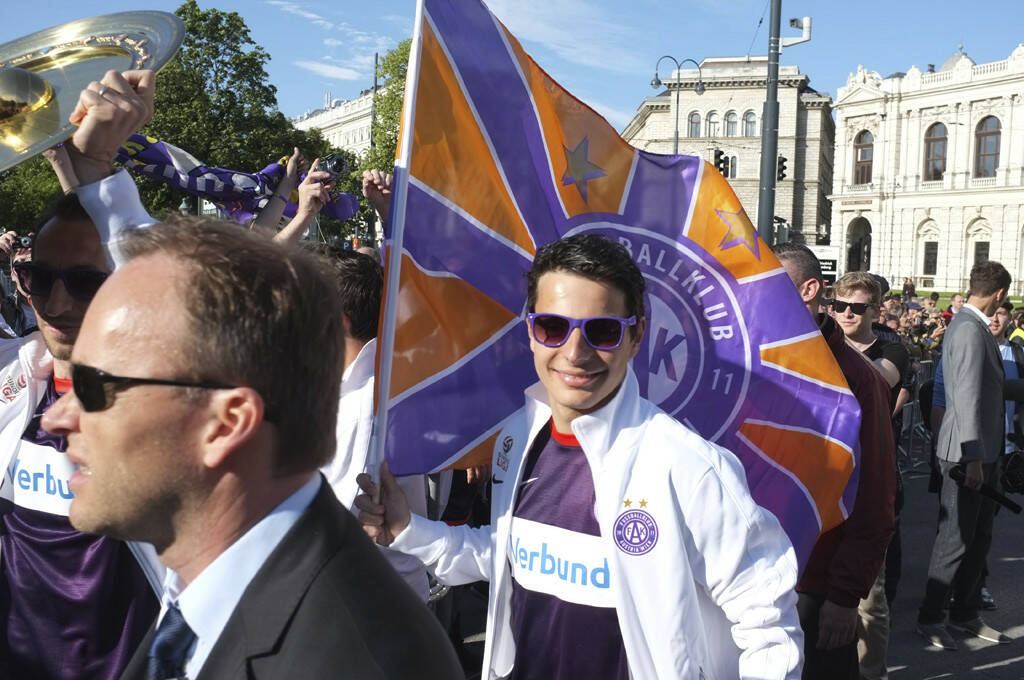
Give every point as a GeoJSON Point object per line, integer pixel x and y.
{"type": "Point", "coordinates": [495, 160]}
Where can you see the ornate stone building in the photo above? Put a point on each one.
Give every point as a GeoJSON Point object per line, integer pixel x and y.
{"type": "Point", "coordinates": [345, 124]}
{"type": "Point", "coordinates": [728, 117]}
{"type": "Point", "coordinates": [930, 171]}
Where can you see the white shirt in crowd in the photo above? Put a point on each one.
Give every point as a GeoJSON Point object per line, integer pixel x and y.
{"type": "Point", "coordinates": [352, 457]}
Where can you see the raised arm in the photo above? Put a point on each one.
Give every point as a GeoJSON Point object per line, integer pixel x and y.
{"type": "Point", "coordinates": [313, 195]}
{"type": "Point", "coordinates": [61, 164]}
{"type": "Point", "coordinates": [107, 114]}
{"type": "Point", "coordinates": [377, 190]}
{"type": "Point", "coordinates": [271, 215]}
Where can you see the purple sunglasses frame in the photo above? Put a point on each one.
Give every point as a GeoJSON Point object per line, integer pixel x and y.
{"type": "Point", "coordinates": [580, 323]}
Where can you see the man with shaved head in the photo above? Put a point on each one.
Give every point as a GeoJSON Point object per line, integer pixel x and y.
{"type": "Point", "coordinates": [72, 605]}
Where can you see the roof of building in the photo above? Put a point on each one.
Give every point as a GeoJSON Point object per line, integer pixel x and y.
{"type": "Point", "coordinates": [957, 56]}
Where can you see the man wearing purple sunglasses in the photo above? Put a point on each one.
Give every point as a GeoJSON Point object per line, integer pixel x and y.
{"type": "Point", "coordinates": [621, 543]}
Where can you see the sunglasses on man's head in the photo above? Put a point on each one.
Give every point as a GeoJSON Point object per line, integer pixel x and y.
{"type": "Point", "coordinates": [858, 308]}
{"type": "Point", "coordinates": [38, 279]}
{"type": "Point", "coordinates": [600, 332]}
{"type": "Point", "coordinates": [95, 389]}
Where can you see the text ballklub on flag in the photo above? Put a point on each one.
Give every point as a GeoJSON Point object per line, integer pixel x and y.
{"type": "Point", "coordinates": [495, 160]}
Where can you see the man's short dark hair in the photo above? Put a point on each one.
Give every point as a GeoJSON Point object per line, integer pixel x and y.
{"type": "Point", "coordinates": [64, 207]}
{"type": "Point", "coordinates": [261, 315]}
{"type": "Point", "coordinates": [806, 262]}
{"type": "Point", "coordinates": [934, 295]}
{"type": "Point", "coordinates": [360, 281]}
{"type": "Point", "coordinates": [593, 257]}
{"type": "Point", "coordinates": [988, 277]}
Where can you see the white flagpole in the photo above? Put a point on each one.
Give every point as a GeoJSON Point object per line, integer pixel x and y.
{"type": "Point", "coordinates": [386, 334]}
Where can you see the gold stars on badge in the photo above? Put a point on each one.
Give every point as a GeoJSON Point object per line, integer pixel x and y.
{"type": "Point", "coordinates": [627, 502]}
{"type": "Point", "coordinates": [643, 503]}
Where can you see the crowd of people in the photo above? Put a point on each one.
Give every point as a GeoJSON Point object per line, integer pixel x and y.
{"type": "Point", "coordinates": [189, 489]}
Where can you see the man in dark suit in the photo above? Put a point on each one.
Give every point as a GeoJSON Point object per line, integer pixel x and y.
{"type": "Point", "coordinates": [970, 438]}
{"type": "Point", "coordinates": [206, 377]}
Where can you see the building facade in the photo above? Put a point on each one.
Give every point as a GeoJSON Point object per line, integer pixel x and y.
{"type": "Point", "coordinates": [930, 171]}
{"type": "Point", "coordinates": [345, 124]}
{"type": "Point", "coordinates": [727, 116]}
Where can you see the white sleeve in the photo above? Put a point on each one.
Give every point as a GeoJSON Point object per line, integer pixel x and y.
{"type": "Point", "coordinates": [746, 562]}
{"type": "Point", "coordinates": [456, 555]}
{"type": "Point", "coordinates": [114, 206]}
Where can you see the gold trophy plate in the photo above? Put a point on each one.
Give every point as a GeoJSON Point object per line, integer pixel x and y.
{"type": "Point", "coordinates": [41, 75]}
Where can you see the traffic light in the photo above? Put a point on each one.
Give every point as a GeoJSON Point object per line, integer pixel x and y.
{"type": "Point", "coordinates": [780, 169]}
{"type": "Point", "coordinates": [721, 162]}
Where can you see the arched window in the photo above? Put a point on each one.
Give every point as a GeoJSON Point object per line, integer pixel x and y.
{"type": "Point", "coordinates": [694, 130]}
{"type": "Point", "coordinates": [863, 148]}
{"type": "Point", "coordinates": [712, 124]}
{"type": "Point", "coordinates": [935, 153]}
{"type": "Point", "coordinates": [732, 166]}
{"type": "Point", "coordinates": [986, 147]}
{"type": "Point", "coordinates": [731, 124]}
{"type": "Point", "coordinates": [749, 124]}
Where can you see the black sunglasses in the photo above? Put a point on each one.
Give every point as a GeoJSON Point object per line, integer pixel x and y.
{"type": "Point", "coordinates": [858, 308]}
{"type": "Point", "coordinates": [95, 389]}
{"type": "Point", "coordinates": [38, 279]}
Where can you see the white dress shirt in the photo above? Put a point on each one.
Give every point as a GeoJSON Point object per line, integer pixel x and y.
{"type": "Point", "coordinates": [352, 457]}
{"type": "Point", "coordinates": [208, 602]}
{"type": "Point", "coordinates": [980, 314]}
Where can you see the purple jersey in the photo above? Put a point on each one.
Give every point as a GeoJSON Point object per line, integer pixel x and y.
{"type": "Point", "coordinates": [563, 611]}
{"type": "Point", "coordinates": [73, 606]}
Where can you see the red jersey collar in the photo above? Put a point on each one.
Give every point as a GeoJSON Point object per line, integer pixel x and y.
{"type": "Point", "coordinates": [62, 385]}
{"type": "Point", "coordinates": [561, 437]}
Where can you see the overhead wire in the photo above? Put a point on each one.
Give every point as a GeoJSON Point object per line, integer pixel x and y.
{"type": "Point", "coordinates": [757, 29]}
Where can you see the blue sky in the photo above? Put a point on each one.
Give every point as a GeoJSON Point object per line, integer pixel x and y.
{"type": "Point", "coordinates": [603, 51]}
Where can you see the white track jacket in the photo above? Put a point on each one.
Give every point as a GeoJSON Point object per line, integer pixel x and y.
{"type": "Point", "coordinates": [712, 599]}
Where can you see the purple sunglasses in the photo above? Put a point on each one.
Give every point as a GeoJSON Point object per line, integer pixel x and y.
{"type": "Point", "coordinates": [600, 332]}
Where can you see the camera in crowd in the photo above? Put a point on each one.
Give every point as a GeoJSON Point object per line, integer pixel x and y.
{"type": "Point", "coordinates": [23, 243]}
{"type": "Point", "coordinates": [335, 165]}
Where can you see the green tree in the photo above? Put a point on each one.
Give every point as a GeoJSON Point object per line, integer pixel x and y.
{"type": "Point", "coordinates": [25, 191]}
{"type": "Point", "coordinates": [387, 104]}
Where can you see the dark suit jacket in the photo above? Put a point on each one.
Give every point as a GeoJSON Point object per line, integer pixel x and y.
{"type": "Point", "coordinates": [972, 368]}
{"type": "Point", "coordinates": [324, 605]}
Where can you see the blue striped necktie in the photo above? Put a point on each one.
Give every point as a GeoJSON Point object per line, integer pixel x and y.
{"type": "Point", "coordinates": [168, 653]}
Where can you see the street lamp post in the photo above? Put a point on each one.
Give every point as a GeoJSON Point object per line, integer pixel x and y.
{"type": "Point", "coordinates": [656, 83]}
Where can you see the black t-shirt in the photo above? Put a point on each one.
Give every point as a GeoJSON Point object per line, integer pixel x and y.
{"type": "Point", "coordinates": [900, 358]}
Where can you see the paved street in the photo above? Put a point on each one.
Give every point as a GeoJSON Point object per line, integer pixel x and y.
{"type": "Point", "coordinates": [909, 656]}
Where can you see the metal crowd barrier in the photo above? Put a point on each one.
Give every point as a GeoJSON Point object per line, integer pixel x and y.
{"type": "Point", "coordinates": [915, 431]}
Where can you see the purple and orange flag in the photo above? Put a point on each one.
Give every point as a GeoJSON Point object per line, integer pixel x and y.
{"type": "Point", "coordinates": [495, 160]}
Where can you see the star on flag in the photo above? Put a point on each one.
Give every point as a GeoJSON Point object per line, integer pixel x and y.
{"type": "Point", "coordinates": [579, 170]}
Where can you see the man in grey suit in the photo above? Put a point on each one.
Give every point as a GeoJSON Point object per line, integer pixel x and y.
{"type": "Point", "coordinates": [205, 393]}
{"type": "Point", "coordinates": [971, 438]}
